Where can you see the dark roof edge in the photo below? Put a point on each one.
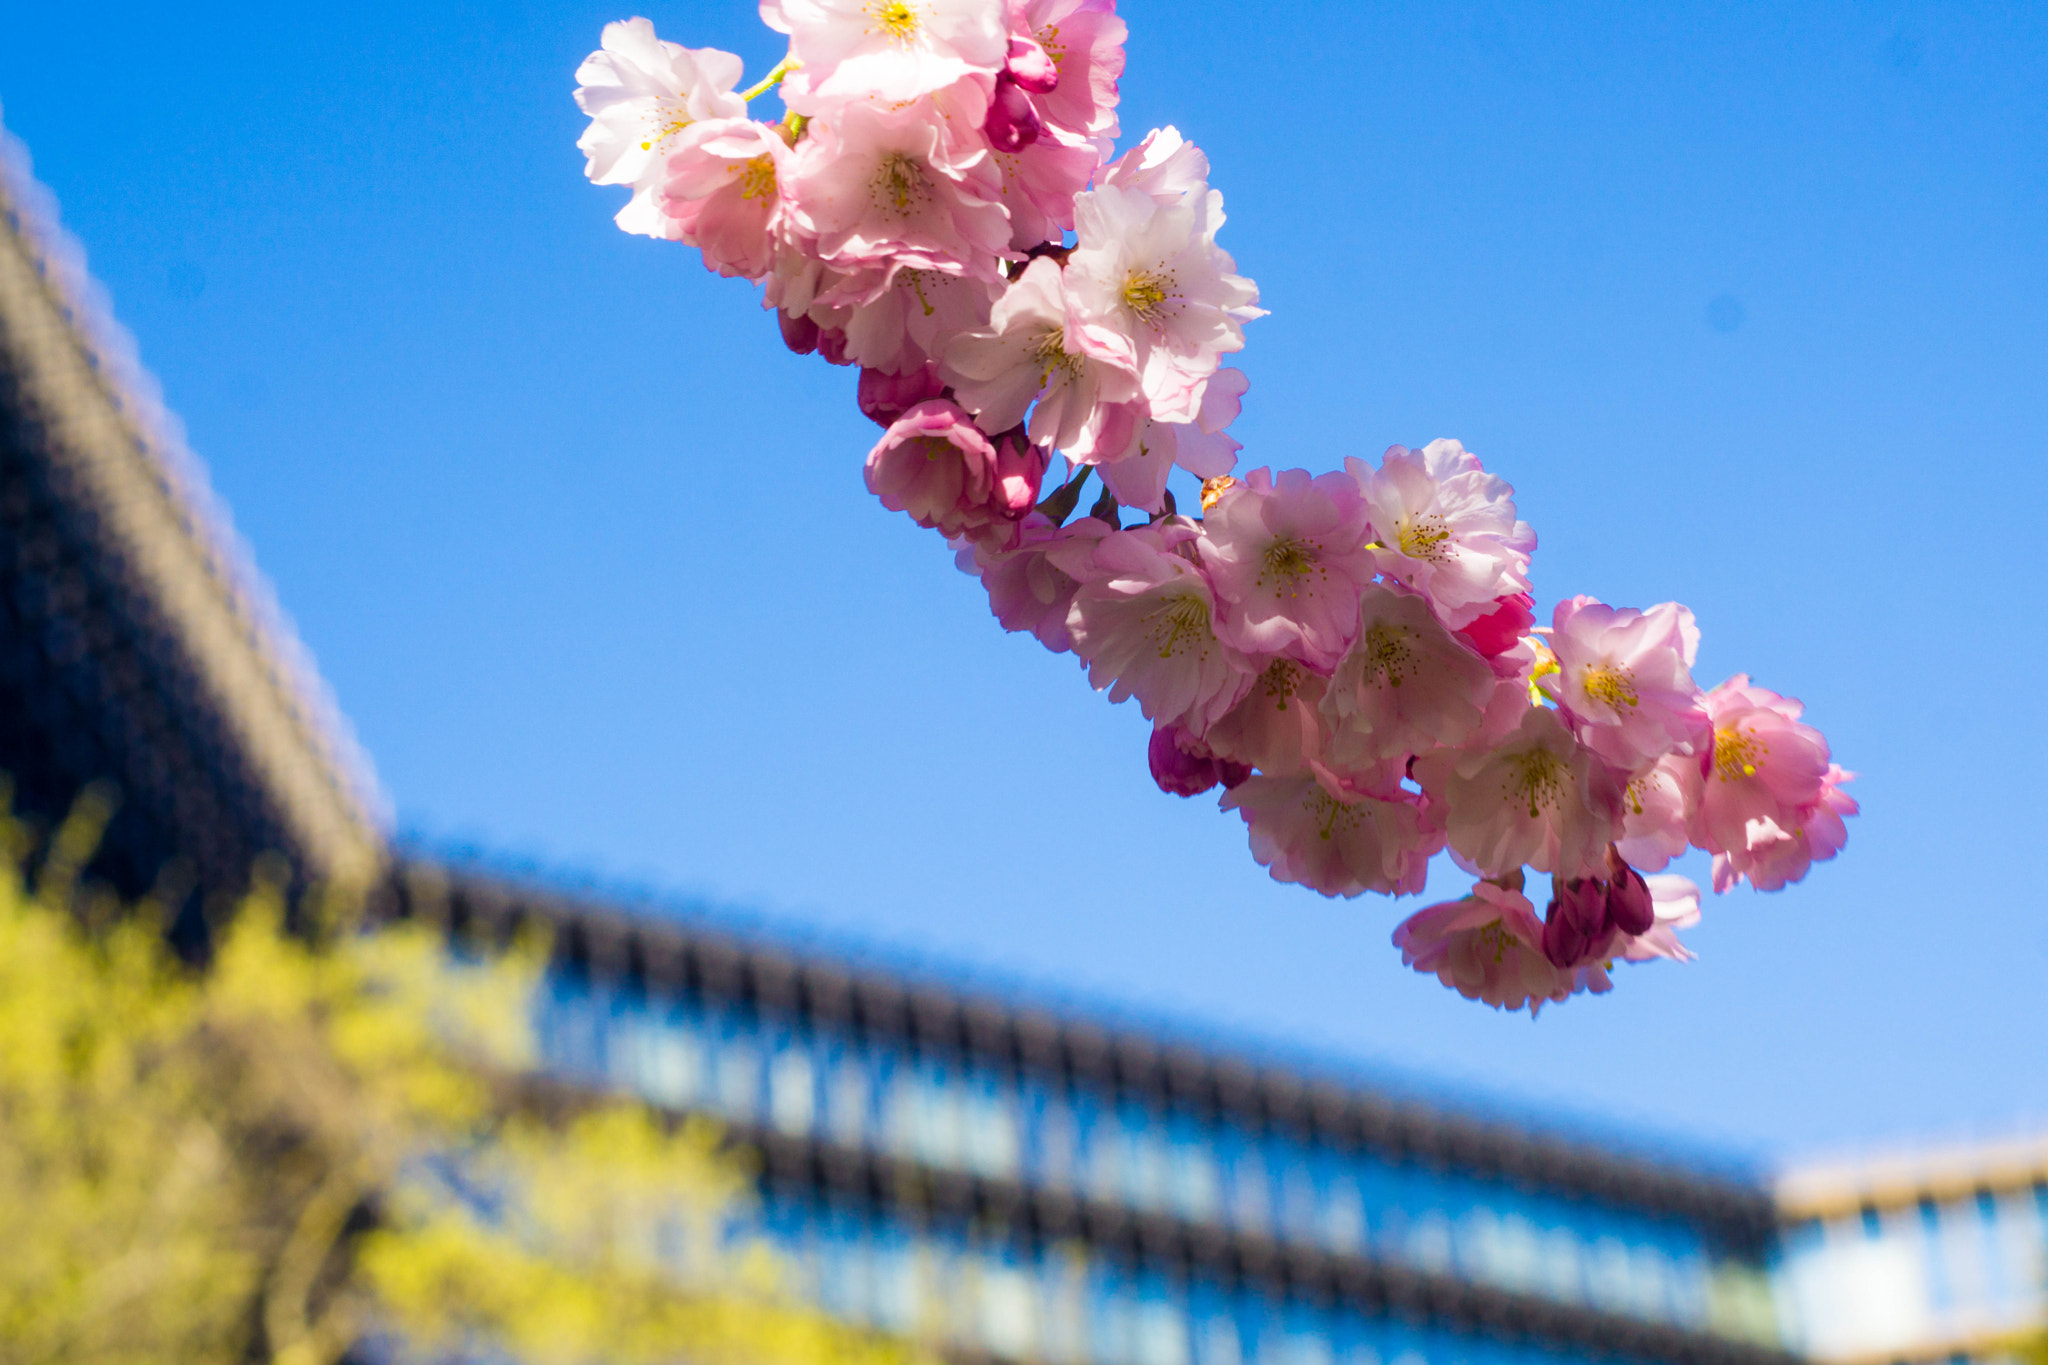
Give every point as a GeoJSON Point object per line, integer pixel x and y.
{"type": "Point", "coordinates": [1017, 1036]}
{"type": "Point", "coordinates": [127, 455]}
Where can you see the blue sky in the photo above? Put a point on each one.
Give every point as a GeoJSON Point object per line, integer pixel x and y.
{"type": "Point", "coordinates": [1749, 301]}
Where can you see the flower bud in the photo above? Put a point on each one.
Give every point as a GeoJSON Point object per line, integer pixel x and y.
{"type": "Point", "coordinates": [799, 333]}
{"type": "Point", "coordinates": [886, 397]}
{"type": "Point", "coordinates": [1182, 773]}
{"type": "Point", "coordinates": [1012, 124]}
{"type": "Point", "coordinates": [1020, 469]}
{"type": "Point", "coordinates": [1498, 631]}
{"type": "Point", "coordinates": [1031, 66]}
{"type": "Point", "coordinates": [1630, 907]}
{"type": "Point", "coordinates": [1575, 929]}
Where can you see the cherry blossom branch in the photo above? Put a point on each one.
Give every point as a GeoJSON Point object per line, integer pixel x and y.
{"type": "Point", "coordinates": [1351, 656]}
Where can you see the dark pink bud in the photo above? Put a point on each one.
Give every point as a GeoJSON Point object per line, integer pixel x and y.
{"type": "Point", "coordinates": [832, 345]}
{"type": "Point", "coordinates": [1020, 469]}
{"type": "Point", "coordinates": [1498, 631]}
{"type": "Point", "coordinates": [1031, 66]}
{"type": "Point", "coordinates": [886, 397]}
{"type": "Point", "coordinates": [1630, 907]}
{"type": "Point", "coordinates": [1012, 123]}
{"type": "Point", "coordinates": [1575, 924]}
{"type": "Point", "coordinates": [1176, 770]}
{"type": "Point", "coordinates": [800, 334]}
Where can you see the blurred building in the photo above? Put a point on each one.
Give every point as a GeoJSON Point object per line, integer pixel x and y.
{"type": "Point", "coordinates": [1929, 1255]}
{"type": "Point", "coordinates": [1020, 1182]}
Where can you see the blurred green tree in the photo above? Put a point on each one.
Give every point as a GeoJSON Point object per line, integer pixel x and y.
{"type": "Point", "coordinates": [327, 1135]}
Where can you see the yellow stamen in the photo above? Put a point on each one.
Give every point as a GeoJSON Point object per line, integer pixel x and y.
{"type": "Point", "coordinates": [666, 121]}
{"type": "Point", "coordinates": [1737, 754]}
{"type": "Point", "coordinates": [1049, 39]}
{"type": "Point", "coordinates": [1612, 685]}
{"type": "Point", "coordinates": [1385, 653]}
{"type": "Point", "coordinates": [1145, 294]}
{"type": "Point", "coordinates": [1424, 538]}
{"type": "Point", "coordinates": [898, 183]}
{"type": "Point", "coordinates": [1282, 679]}
{"type": "Point", "coordinates": [894, 18]}
{"type": "Point", "coordinates": [1287, 563]}
{"type": "Point", "coordinates": [757, 177]}
{"type": "Point", "coordinates": [1181, 623]}
{"type": "Point", "coordinates": [1537, 777]}
{"type": "Point", "coordinates": [1500, 938]}
{"type": "Point", "coordinates": [1050, 350]}
{"type": "Point", "coordinates": [914, 280]}
{"type": "Point", "coordinates": [1329, 813]}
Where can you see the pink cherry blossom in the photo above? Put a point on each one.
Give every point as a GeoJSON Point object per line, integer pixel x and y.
{"type": "Point", "coordinates": [1624, 679]}
{"type": "Point", "coordinates": [1302, 833]}
{"type": "Point", "coordinates": [641, 94]}
{"type": "Point", "coordinates": [1084, 40]}
{"type": "Point", "coordinates": [1486, 946]}
{"type": "Point", "coordinates": [888, 51]}
{"type": "Point", "coordinates": [1136, 471]}
{"type": "Point", "coordinates": [1407, 685]}
{"type": "Point", "coordinates": [884, 186]}
{"type": "Point", "coordinates": [1289, 558]}
{"type": "Point", "coordinates": [1775, 856]}
{"type": "Point", "coordinates": [1041, 182]}
{"type": "Point", "coordinates": [1033, 351]}
{"type": "Point", "coordinates": [1537, 798]}
{"type": "Point", "coordinates": [1278, 728]}
{"type": "Point", "coordinates": [1765, 798]}
{"type": "Point", "coordinates": [1152, 273]}
{"type": "Point", "coordinates": [1144, 621]}
{"type": "Point", "coordinates": [914, 319]}
{"type": "Point", "coordinates": [1653, 813]}
{"type": "Point", "coordinates": [1027, 589]}
{"type": "Point", "coordinates": [1183, 766]}
{"type": "Point", "coordinates": [936, 465]}
{"type": "Point", "coordinates": [1447, 528]}
{"type": "Point", "coordinates": [722, 194]}
{"type": "Point", "coordinates": [1165, 166]}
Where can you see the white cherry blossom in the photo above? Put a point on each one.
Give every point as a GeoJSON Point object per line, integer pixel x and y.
{"type": "Point", "coordinates": [640, 94]}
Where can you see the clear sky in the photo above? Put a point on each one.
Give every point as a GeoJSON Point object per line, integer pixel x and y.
{"type": "Point", "coordinates": [1749, 301]}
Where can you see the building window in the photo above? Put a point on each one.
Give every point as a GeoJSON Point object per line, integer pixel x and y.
{"type": "Point", "coordinates": [846, 1098]}
{"type": "Point", "coordinates": [738, 1070]}
{"type": "Point", "coordinates": [792, 1089]}
{"type": "Point", "coordinates": [668, 1062]}
{"type": "Point", "coordinates": [993, 1140]}
{"type": "Point", "coordinates": [1251, 1194]}
{"type": "Point", "coordinates": [1197, 1188]}
{"type": "Point", "coordinates": [1343, 1215]}
{"type": "Point", "coordinates": [1056, 1140]}
{"type": "Point", "coordinates": [1009, 1313]}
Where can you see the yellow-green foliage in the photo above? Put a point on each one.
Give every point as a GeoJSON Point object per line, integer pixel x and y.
{"type": "Point", "coordinates": [323, 1134]}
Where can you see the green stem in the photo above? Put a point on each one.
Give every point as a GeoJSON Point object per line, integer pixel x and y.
{"type": "Point", "coordinates": [772, 79]}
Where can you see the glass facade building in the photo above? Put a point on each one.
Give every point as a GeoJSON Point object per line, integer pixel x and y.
{"type": "Point", "coordinates": [1022, 1186]}
{"type": "Point", "coordinates": [1931, 1256]}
